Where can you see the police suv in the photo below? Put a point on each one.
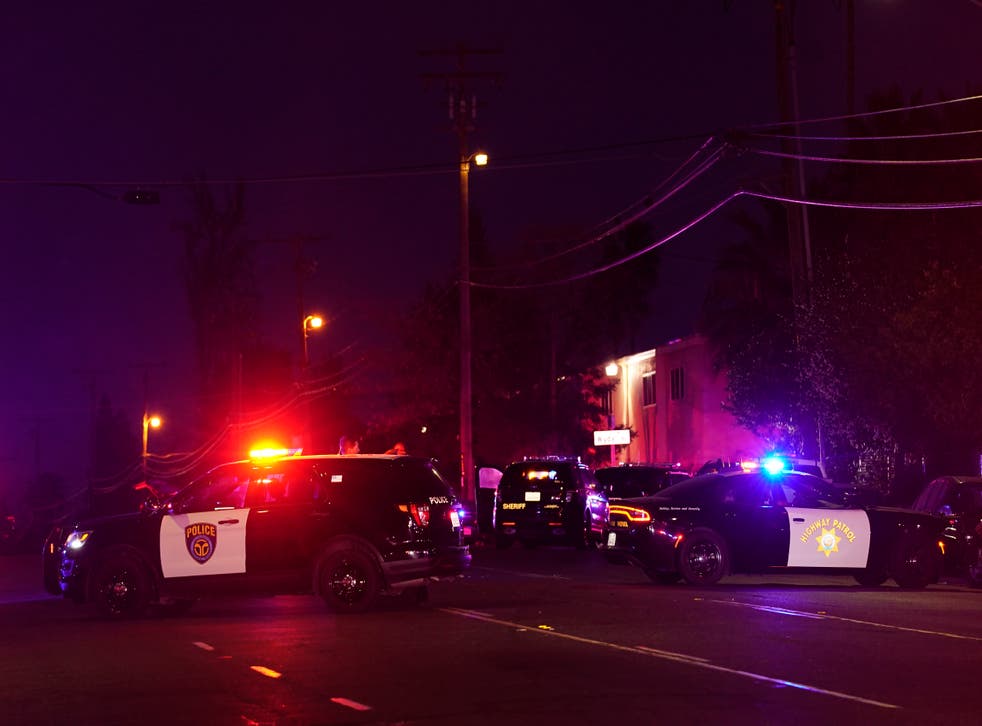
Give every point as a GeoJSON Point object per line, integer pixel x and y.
{"type": "Point", "coordinates": [549, 500]}
{"type": "Point", "coordinates": [346, 528]}
{"type": "Point", "coordinates": [769, 519]}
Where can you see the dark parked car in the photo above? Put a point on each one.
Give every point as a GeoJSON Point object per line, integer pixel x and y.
{"type": "Point", "coordinates": [712, 525]}
{"type": "Point", "coordinates": [549, 500]}
{"type": "Point", "coordinates": [958, 499]}
{"type": "Point", "coordinates": [347, 528]}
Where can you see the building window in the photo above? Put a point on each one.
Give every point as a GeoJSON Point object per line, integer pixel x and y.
{"type": "Point", "coordinates": [678, 384]}
{"type": "Point", "coordinates": [648, 389]}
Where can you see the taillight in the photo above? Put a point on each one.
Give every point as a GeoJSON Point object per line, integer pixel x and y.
{"type": "Point", "coordinates": [419, 512]}
{"type": "Point", "coordinates": [632, 514]}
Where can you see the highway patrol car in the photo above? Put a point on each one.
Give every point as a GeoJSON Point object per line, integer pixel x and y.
{"type": "Point", "coordinates": [753, 521]}
{"type": "Point", "coordinates": [344, 527]}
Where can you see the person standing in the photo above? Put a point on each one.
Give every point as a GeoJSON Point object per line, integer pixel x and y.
{"type": "Point", "coordinates": [348, 446]}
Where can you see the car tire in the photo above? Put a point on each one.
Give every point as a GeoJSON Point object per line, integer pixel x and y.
{"type": "Point", "coordinates": [915, 563]}
{"type": "Point", "coordinates": [584, 535]}
{"type": "Point", "coordinates": [703, 557]}
{"type": "Point", "coordinates": [870, 578]}
{"type": "Point", "coordinates": [348, 580]}
{"type": "Point", "coordinates": [975, 572]}
{"type": "Point", "coordinates": [121, 585]}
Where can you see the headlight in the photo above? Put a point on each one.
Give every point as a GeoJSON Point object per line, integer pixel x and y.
{"type": "Point", "coordinates": [76, 540]}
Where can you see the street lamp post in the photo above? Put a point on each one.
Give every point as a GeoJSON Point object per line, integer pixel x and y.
{"type": "Point", "coordinates": [149, 422]}
{"type": "Point", "coordinates": [612, 370]}
{"type": "Point", "coordinates": [467, 487]}
{"type": "Point", "coordinates": [311, 322]}
{"type": "Point", "coordinates": [308, 323]}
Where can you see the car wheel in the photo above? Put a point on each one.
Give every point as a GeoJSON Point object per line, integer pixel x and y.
{"type": "Point", "coordinates": [703, 557]}
{"type": "Point", "coordinates": [348, 580]}
{"type": "Point", "coordinates": [870, 578]}
{"type": "Point", "coordinates": [975, 572]}
{"type": "Point", "coordinates": [584, 535]}
{"type": "Point", "coordinates": [121, 586]}
{"type": "Point", "coordinates": [915, 563]}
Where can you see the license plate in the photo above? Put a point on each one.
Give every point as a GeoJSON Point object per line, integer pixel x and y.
{"type": "Point", "coordinates": [611, 539]}
{"type": "Point", "coordinates": [533, 496]}
{"type": "Point", "coordinates": [455, 519]}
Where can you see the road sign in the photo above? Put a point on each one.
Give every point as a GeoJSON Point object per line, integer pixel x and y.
{"type": "Point", "coordinates": [616, 437]}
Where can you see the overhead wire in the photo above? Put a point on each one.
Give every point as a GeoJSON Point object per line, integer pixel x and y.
{"type": "Point", "coordinates": [871, 137]}
{"type": "Point", "coordinates": [863, 114]}
{"type": "Point", "coordinates": [630, 214]}
{"type": "Point", "coordinates": [864, 162]}
{"type": "Point", "coordinates": [870, 206]}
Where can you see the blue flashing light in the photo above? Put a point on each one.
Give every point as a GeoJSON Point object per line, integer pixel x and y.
{"type": "Point", "coordinates": [774, 465]}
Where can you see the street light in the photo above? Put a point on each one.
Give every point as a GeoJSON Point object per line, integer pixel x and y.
{"type": "Point", "coordinates": [311, 322]}
{"type": "Point", "coordinates": [612, 370]}
{"type": "Point", "coordinates": [467, 488]}
{"type": "Point", "coordinates": [149, 422]}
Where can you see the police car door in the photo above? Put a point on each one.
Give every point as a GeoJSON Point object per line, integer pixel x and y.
{"type": "Point", "coordinates": [825, 536]}
{"type": "Point", "coordinates": [204, 534]}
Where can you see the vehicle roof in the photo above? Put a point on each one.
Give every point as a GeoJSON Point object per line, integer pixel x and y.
{"type": "Point", "coordinates": [967, 480]}
{"type": "Point", "coordinates": [539, 460]}
{"type": "Point", "coordinates": [629, 467]}
{"type": "Point", "coordinates": [323, 457]}
{"type": "Point", "coordinates": [705, 480]}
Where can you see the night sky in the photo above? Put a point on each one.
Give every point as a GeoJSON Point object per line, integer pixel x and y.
{"type": "Point", "coordinates": [100, 97]}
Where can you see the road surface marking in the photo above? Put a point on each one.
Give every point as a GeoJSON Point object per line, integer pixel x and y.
{"type": "Point", "coordinates": [668, 655]}
{"type": "Point", "coordinates": [820, 616]}
{"type": "Point", "coordinates": [351, 704]}
{"type": "Point", "coordinates": [203, 646]}
{"type": "Point", "coordinates": [268, 672]}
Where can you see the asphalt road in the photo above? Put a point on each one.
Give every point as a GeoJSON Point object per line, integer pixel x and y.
{"type": "Point", "coordinates": [528, 637]}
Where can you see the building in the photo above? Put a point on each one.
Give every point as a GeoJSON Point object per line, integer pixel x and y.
{"type": "Point", "coordinates": [673, 402]}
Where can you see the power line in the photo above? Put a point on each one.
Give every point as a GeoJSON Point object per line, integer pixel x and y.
{"type": "Point", "coordinates": [884, 137]}
{"type": "Point", "coordinates": [865, 114]}
{"type": "Point", "coordinates": [631, 214]}
{"type": "Point", "coordinates": [786, 199]}
{"type": "Point", "coordinates": [866, 162]}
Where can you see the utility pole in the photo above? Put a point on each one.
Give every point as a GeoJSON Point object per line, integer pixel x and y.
{"type": "Point", "coordinates": [799, 233]}
{"type": "Point", "coordinates": [462, 106]}
{"type": "Point", "coordinates": [794, 174]}
{"type": "Point", "coordinates": [850, 56]}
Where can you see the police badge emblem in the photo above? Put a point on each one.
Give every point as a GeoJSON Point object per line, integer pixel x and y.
{"type": "Point", "coordinates": [201, 540]}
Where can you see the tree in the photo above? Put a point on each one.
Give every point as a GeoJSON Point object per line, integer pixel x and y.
{"type": "Point", "coordinates": [116, 444]}
{"type": "Point", "coordinates": [748, 318]}
{"type": "Point", "coordinates": [536, 351]}
{"type": "Point", "coordinates": [222, 296]}
{"type": "Point", "coordinates": [880, 352]}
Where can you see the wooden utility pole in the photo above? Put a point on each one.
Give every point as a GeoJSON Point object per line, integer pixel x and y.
{"type": "Point", "coordinates": [462, 107]}
{"type": "Point", "coordinates": [794, 174]}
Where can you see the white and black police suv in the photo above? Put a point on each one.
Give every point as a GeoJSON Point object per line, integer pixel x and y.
{"type": "Point", "coordinates": [347, 528]}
